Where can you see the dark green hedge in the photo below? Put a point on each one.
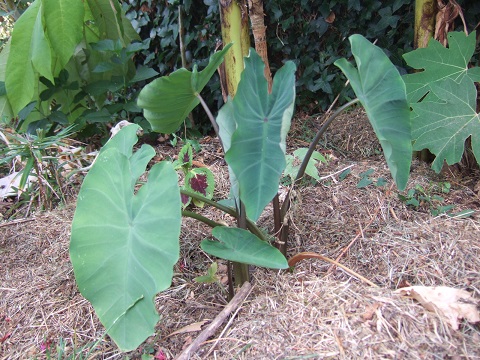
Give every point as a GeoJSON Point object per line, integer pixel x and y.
{"type": "Point", "coordinates": [296, 30]}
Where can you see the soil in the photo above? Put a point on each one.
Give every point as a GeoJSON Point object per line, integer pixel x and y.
{"type": "Point", "coordinates": [315, 311]}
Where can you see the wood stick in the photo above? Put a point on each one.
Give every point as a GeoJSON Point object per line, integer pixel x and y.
{"type": "Point", "coordinates": [237, 300]}
{"type": "Point", "coordinates": [13, 222]}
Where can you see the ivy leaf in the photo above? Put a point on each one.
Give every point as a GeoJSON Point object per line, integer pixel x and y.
{"type": "Point", "coordinates": [443, 98]}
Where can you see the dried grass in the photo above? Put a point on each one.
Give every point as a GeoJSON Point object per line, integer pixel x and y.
{"type": "Point", "coordinates": [308, 313]}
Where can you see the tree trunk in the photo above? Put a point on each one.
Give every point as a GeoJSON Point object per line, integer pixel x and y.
{"type": "Point", "coordinates": [234, 21]}
{"type": "Point", "coordinates": [425, 13]}
{"type": "Point", "coordinates": [255, 11]}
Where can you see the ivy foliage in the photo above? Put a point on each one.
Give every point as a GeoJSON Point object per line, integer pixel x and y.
{"type": "Point", "coordinates": [311, 33]}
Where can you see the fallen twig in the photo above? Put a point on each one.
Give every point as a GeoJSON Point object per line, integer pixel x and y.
{"type": "Point", "coordinates": [311, 255]}
{"type": "Point", "coordinates": [19, 221]}
{"type": "Point", "coordinates": [212, 327]}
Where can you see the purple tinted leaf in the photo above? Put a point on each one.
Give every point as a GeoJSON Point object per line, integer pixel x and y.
{"type": "Point", "coordinates": [199, 183]}
{"type": "Point", "coordinates": [185, 199]}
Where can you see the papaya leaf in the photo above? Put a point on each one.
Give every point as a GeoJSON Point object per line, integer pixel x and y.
{"type": "Point", "coordinates": [168, 100]}
{"type": "Point", "coordinates": [381, 90]}
{"type": "Point", "coordinates": [439, 63]}
{"type": "Point", "coordinates": [443, 125]}
{"type": "Point", "coordinates": [443, 98]}
{"type": "Point", "coordinates": [257, 152]}
{"type": "Point", "coordinates": [242, 246]}
{"type": "Point", "coordinates": [124, 242]}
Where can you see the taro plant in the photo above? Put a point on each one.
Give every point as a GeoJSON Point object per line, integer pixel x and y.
{"type": "Point", "coordinates": [125, 238]}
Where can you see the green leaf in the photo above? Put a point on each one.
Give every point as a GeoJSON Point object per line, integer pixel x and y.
{"type": "Point", "coordinates": [257, 152]}
{"type": "Point", "coordinates": [211, 276]}
{"type": "Point", "coordinates": [124, 242]}
{"type": "Point", "coordinates": [381, 90]}
{"type": "Point", "coordinates": [111, 21]}
{"type": "Point", "coordinates": [5, 109]}
{"type": "Point", "coordinates": [439, 63]}
{"type": "Point", "coordinates": [294, 162]}
{"type": "Point", "coordinates": [20, 75]}
{"type": "Point", "coordinates": [242, 246]}
{"type": "Point", "coordinates": [168, 100]}
{"type": "Point", "coordinates": [226, 128]}
{"type": "Point", "coordinates": [41, 52]}
{"type": "Point", "coordinates": [64, 24]}
{"type": "Point", "coordinates": [143, 73]}
{"type": "Point", "coordinates": [446, 115]}
{"type": "Point", "coordinates": [443, 125]}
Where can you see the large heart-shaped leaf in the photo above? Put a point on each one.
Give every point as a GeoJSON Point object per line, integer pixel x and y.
{"type": "Point", "coordinates": [242, 246]}
{"type": "Point", "coordinates": [124, 243]}
{"type": "Point", "coordinates": [381, 90]}
{"type": "Point", "coordinates": [168, 100]}
{"type": "Point", "coordinates": [257, 151]}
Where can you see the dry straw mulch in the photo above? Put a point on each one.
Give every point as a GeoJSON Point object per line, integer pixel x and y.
{"type": "Point", "coordinates": [314, 312]}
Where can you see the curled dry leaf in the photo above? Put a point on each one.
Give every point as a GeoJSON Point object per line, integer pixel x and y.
{"type": "Point", "coordinates": [454, 304]}
{"type": "Point", "coordinates": [189, 328]}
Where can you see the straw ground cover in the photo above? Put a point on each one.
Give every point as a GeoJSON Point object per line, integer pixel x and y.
{"type": "Point", "coordinates": [313, 312]}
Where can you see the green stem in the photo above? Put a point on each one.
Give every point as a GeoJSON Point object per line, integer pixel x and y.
{"type": "Point", "coordinates": [254, 229]}
{"type": "Point", "coordinates": [201, 218]}
{"type": "Point", "coordinates": [210, 116]}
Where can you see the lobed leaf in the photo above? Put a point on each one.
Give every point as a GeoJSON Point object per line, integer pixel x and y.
{"type": "Point", "coordinates": [443, 98]}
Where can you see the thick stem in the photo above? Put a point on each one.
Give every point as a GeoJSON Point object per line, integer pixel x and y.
{"type": "Point", "coordinates": [234, 22]}
{"type": "Point", "coordinates": [255, 11]}
{"type": "Point", "coordinates": [241, 271]}
{"type": "Point", "coordinates": [425, 11]}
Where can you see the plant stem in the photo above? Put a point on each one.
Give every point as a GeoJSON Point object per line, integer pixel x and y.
{"type": "Point", "coordinates": [311, 149]}
{"type": "Point", "coordinates": [283, 235]}
{"type": "Point", "coordinates": [241, 271]}
{"type": "Point", "coordinates": [210, 116]}
{"type": "Point", "coordinates": [254, 229]}
{"type": "Point", "coordinates": [201, 218]}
